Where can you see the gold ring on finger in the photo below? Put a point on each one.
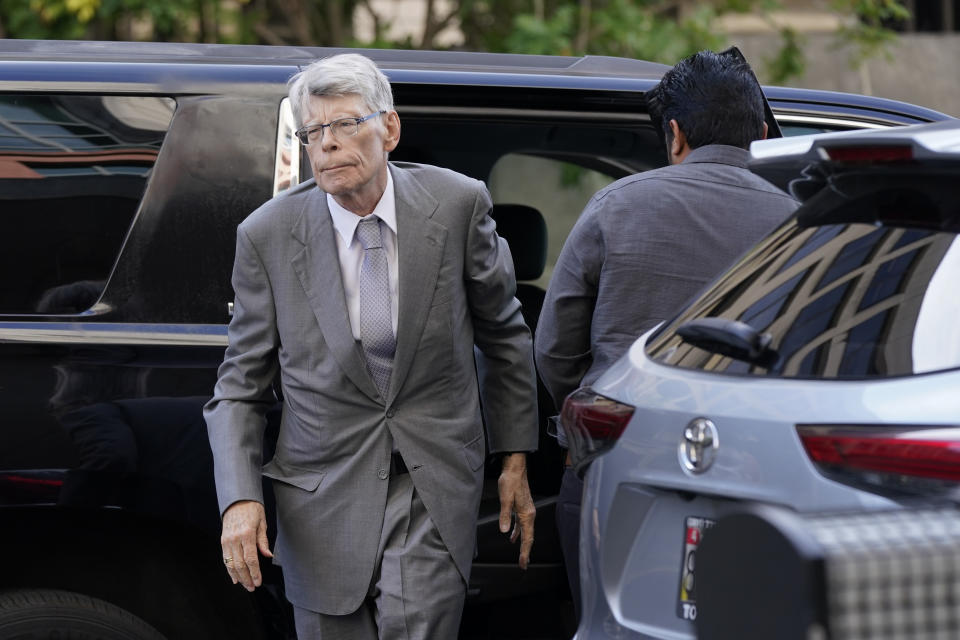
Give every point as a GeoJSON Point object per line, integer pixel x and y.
{"type": "Point", "coordinates": [227, 560]}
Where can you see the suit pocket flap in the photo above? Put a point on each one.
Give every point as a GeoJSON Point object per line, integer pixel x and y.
{"type": "Point", "coordinates": [473, 452]}
{"type": "Point", "coordinates": [305, 479]}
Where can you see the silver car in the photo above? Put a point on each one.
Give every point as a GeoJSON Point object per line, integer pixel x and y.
{"type": "Point", "coordinates": [820, 373]}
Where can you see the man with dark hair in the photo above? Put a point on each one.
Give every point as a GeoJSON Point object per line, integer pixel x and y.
{"type": "Point", "coordinates": [714, 98]}
{"type": "Point", "coordinates": [646, 243]}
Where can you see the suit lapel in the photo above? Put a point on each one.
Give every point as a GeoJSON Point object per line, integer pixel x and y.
{"type": "Point", "coordinates": [318, 267]}
{"type": "Point", "coordinates": [420, 243]}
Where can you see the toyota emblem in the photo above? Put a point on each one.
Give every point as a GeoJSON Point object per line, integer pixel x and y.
{"type": "Point", "coordinates": [698, 447]}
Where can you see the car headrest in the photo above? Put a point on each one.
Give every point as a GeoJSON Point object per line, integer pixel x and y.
{"type": "Point", "coordinates": [525, 231]}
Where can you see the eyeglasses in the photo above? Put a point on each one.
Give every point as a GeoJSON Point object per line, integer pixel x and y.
{"type": "Point", "coordinates": [341, 128]}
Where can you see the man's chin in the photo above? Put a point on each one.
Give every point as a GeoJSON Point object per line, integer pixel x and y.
{"type": "Point", "coordinates": [333, 187]}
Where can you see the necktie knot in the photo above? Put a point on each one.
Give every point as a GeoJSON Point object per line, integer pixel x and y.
{"type": "Point", "coordinates": [368, 233]}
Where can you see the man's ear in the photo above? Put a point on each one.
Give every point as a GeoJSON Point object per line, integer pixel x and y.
{"type": "Point", "coordinates": [678, 143]}
{"type": "Point", "coordinates": [392, 127]}
{"type": "Point", "coordinates": [765, 128]}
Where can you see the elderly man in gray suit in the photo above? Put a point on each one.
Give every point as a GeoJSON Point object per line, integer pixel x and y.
{"type": "Point", "coordinates": [367, 290]}
{"type": "Point", "coordinates": [648, 242]}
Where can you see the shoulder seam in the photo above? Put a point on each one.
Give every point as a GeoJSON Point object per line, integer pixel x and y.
{"type": "Point", "coordinates": [774, 191]}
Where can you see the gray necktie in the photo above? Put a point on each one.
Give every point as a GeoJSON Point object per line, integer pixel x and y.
{"type": "Point", "coordinates": [376, 325]}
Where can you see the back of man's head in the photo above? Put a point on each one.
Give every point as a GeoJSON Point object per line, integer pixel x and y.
{"type": "Point", "coordinates": [715, 99]}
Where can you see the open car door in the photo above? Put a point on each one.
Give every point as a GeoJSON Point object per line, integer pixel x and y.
{"type": "Point", "coordinates": [773, 129]}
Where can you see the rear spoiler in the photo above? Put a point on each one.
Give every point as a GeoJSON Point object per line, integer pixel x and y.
{"type": "Point", "coordinates": [782, 161]}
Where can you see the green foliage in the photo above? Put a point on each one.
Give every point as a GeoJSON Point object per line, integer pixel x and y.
{"type": "Point", "coordinates": [101, 19]}
{"type": "Point", "coordinates": [616, 28]}
{"type": "Point", "coordinates": [170, 17]}
{"type": "Point", "coordinates": [488, 24]}
{"type": "Point", "coordinates": [873, 11]}
{"type": "Point", "coordinates": [645, 29]}
{"type": "Point", "coordinates": [571, 175]}
{"type": "Point", "coordinates": [61, 19]}
{"type": "Point", "coordinates": [789, 60]}
{"type": "Point", "coordinates": [869, 36]}
{"type": "Point", "coordinates": [553, 36]}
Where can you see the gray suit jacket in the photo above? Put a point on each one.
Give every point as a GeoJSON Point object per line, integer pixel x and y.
{"type": "Point", "coordinates": [642, 247]}
{"type": "Point", "coordinates": [456, 290]}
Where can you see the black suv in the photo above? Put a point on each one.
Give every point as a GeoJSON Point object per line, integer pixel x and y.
{"type": "Point", "coordinates": [124, 171]}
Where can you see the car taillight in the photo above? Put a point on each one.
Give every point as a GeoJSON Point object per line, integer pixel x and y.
{"type": "Point", "coordinates": [892, 457]}
{"type": "Point", "coordinates": [870, 154]}
{"type": "Point", "coordinates": [592, 423]}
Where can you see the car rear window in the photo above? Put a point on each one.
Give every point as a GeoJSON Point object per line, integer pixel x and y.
{"type": "Point", "coordinates": [838, 301]}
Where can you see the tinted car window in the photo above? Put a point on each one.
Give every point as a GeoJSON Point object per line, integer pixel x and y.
{"type": "Point", "coordinates": [72, 172]}
{"type": "Point", "coordinates": [558, 189]}
{"type": "Point", "coordinates": [839, 301]}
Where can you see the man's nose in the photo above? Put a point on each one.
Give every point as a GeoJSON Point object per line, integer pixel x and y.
{"type": "Point", "coordinates": [329, 142]}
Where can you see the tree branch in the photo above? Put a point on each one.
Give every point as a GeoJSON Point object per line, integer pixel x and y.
{"type": "Point", "coordinates": [583, 30]}
{"type": "Point", "coordinates": [445, 21]}
{"type": "Point", "coordinates": [335, 22]}
{"type": "Point", "coordinates": [433, 27]}
{"type": "Point", "coordinates": [295, 11]}
{"type": "Point", "coordinates": [377, 20]}
{"type": "Point", "coordinates": [267, 34]}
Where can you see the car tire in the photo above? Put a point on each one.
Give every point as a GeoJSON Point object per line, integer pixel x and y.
{"type": "Point", "coordinates": [45, 614]}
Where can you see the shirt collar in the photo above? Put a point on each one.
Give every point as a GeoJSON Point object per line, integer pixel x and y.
{"type": "Point", "coordinates": [719, 153]}
{"type": "Point", "coordinates": [346, 222]}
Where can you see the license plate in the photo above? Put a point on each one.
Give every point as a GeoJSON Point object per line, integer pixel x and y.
{"type": "Point", "coordinates": [692, 534]}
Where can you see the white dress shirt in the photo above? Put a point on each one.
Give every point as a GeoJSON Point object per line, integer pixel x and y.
{"type": "Point", "coordinates": [350, 251]}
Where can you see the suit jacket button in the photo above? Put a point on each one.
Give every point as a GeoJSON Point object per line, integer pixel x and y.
{"type": "Point", "coordinates": [382, 474]}
{"type": "Point", "coordinates": [389, 413]}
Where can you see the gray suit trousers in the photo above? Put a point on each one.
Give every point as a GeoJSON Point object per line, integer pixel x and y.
{"type": "Point", "coordinates": [417, 592]}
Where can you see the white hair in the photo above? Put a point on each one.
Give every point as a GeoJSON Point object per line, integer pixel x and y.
{"type": "Point", "coordinates": [340, 75]}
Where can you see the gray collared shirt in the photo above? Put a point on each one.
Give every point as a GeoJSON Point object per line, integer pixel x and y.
{"type": "Point", "coordinates": [641, 248]}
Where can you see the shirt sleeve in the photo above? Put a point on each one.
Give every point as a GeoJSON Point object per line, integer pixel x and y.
{"type": "Point", "coordinates": [562, 343]}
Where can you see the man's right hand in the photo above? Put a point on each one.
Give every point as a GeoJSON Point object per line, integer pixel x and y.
{"type": "Point", "coordinates": [244, 531]}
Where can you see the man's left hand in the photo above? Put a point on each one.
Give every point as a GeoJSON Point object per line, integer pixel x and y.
{"type": "Point", "coordinates": [515, 498]}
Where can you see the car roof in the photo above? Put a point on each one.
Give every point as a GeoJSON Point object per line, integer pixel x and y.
{"type": "Point", "coordinates": [400, 59]}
